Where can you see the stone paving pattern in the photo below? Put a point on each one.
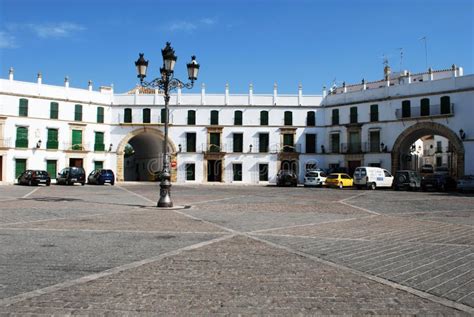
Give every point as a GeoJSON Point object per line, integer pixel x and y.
{"type": "Point", "coordinates": [102, 250]}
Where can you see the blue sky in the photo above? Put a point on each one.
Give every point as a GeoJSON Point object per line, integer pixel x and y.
{"type": "Point", "coordinates": [236, 42]}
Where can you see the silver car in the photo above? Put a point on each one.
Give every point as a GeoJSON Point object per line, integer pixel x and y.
{"type": "Point", "coordinates": [314, 178]}
{"type": "Point", "coordinates": [466, 183]}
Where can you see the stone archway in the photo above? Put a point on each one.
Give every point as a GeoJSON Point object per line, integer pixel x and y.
{"type": "Point", "coordinates": [418, 130]}
{"type": "Point", "coordinates": [151, 133]}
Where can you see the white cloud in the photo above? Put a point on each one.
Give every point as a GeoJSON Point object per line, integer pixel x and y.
{"type": "Point", "coordinates": [55, 30]}
{"type": "Point", "coordinates": [208, 21]}
{"type": "Point", "coordinates": [7, 40]}
{"type": "Point", "coordinates": [182, 26]}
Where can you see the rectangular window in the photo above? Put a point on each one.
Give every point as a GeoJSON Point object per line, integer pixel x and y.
{"type": "Point", "coordinates": [51, 168]}
{"type": "Point", "coordinates": [374, 113]}
{"type": "Point", "coordinates": [353, 115]}
{"type": "Point", "coordinates": [53, 110]}
{"type": "Point", "coordinates": [263, 142]}
{"type": "Point", "coordinates": [100, 114]}
{"type": "Point", "coordinates": [238, 140]}
{"type": "Point", "coordinates": [310, 143]}
{"type": "Point", "coordinates": [78, 113]}
{"type": "Point", "coordinates": [445, 105]}
{"type": "Point", "coordinates": [146, 115]}
{"type": "Point", "coordinates": [52, 142]}
{"type": "Point", "coordinates": [215, 142]}
{"type": "Point", "coordinates": [335, 143]}
{"type": "Point", "coordinates": [163, 115]}
{"type": "Point", "coordinates": [263, 117]}
{"type": "Point", "coordinates": [190, 172]}
{"type": "Point", "coordinates": [127, 115]}
{"type": "Point", "coordinates": [23, 110]}
{"type": "Point", "coordinates": [191, 142]}
{"type": "Point", "coordinates": [354, 142]}
{"type": "Point", "coordinates": [311, 119]}
{"type": "Point", "coordinates": [288, 142]}
{"type": "Point", "coordinates": [98, 165]}
{"type": "Point", "coordinates": [237, 172]}
{"type": "Point", "coordinates": [288, 118]}
{"type": "Point", "coordinates": [21, 137]}
{"type": "Point", "coordinates": [263, 172]}
{"type": "Point", "coordinates": [425, 107]}
{"type": "Point", "coordinates": [76, 140]}
{"type": "Point", "coordinates": [439, 148]}
{"type": "Point", "coordinates": [406, 109]}
{"type": "Point", "coordinates": [335, 116]}
{"type": "Point", "coordinates": [20, 167]}
{"type": "Point", "coordinates": [99, 142]}
{"type": "Point", "coordinates": [191, 117]}
{"type": "Point", "coordinates": [214, 117]}
{"type": "Point", "coordinates": [374, 138]}
{"type": "Point", "coordinates": [238, 117]}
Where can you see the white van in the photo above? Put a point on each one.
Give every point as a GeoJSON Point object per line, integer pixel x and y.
{"type": "Point", "coordinates": [372, 177]}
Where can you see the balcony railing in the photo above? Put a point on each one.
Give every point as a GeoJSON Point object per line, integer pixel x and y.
{"type": "Point", "coordinates": [52, 145]}
{"type": "Point", "coordinates": [76, 147]}
{"type": "Point", "coordinates": [295, 148]}
{"type": "Point", "coordinates": [5, 143]}
{"type": "Point", "coordinates": [213, 148]}
{"type": "Point", "coordinates": [434, 110]}
{"type": "Point", "coordinates": [99, 147]}
{"type": "Point", "coordinates": [21, 143]}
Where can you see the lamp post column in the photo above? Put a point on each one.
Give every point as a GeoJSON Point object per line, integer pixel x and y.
{"type": "Point", "coordinates": [165, 184]}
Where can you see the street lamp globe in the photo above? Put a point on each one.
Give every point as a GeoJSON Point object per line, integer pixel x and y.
{"type": "Point", "coordinates": [193, 69]}
{"type": "Point", "coordinates": [169, 58]}
{"type": "Point", "coordinates": [142, 66]}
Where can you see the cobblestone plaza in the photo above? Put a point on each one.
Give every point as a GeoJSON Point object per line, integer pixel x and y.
{"type": "Point", "coordinates": [103, 250]}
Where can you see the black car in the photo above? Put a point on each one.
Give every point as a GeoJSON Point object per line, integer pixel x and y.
{"type": "Point", "coordinates": [287, 178]}
{"type": "Point", "coordinates": [441, 182]}
{"type": "Point", "coordinates": [101, 177]}
{"type": "Point", "coordinates": [71, 175]}
{"type": "Point", "coordinates": [407, 180]}
{"type": "Point", "coordinates": [34, 177]}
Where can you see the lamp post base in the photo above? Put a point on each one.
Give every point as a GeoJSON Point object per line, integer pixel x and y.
{"type": "Point", "coordinates": [165, 198]}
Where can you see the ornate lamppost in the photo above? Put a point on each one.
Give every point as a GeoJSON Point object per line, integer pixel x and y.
{"type": "Point", "coordinates": [166, 83]}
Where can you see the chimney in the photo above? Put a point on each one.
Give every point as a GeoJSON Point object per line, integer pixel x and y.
{"type": "Point", "coordinates": [203, 94]}
{"type": "Point", "coordinates": [344, 88]}
{"type": "Point", "coordinates": [178, 99]}
{"type": "Point", "coordinates": [430, 73]}
{"type": "Point", "coordinates": [275, 93]}
{"type": "Point", "coordinates": [250, 94]}
{"type": "Point", "coordinates": [39, 78]}
{"type": "Point", "coordinates": [89, 85]}
{"type": "Point", "coordinates": [10, 73]}
{"type": "Point", "coordinates": [325, 93]}
{"type": "Point", "coordinates": [226, 100]}
{"type": "Point", "coordinates": [455, 71]}
{"type": "Point", "coordinates": [300, 94]}
{"type": "Point", "coordinates": [66, 82]}
{"type": "Point", "coordinates": [364, 85]}
{"type": "Point", "coordinates": [409, 77]}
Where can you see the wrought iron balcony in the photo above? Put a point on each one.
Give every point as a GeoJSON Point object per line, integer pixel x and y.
{"type": "Point", "coordinates": [434, 110]}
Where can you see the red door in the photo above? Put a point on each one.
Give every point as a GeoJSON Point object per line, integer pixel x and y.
{"type": "Point", "coordinates": [75, 162]}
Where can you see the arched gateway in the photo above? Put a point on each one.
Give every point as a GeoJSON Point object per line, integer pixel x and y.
{"type": "Point", "coordinates": [147, 144]}
{"type": "Point", "coordinates": [401, 147]}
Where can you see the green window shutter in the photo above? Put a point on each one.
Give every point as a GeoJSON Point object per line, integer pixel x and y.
{"type": "Point", "coordinates": [445, 105]}
{"type": "Point", "coordinates": [238, 117]}
{"type": "Point", "coordinates": [100, 114]}
{"type": "Point", "coordinates": [21, 137]}
{"type": "Point", "coordinates": [20, 167]}
{"type": "Point", "coordinates": [374, 113]}
{"type": "Point", "coordinates": [190, 172]}
{"type": "Point", "coordinates": [353, 115]}
{"type": "Point", "coordinates": [98, 165]}
{"type": "Point", "coordinates": [406, 109]}
{"type": "Point", "coordinates": [51, 168]}
{"type": "Point", "coordinates": [214, 117]}
{"type": "Point", "coordinates": [52, 142]}
{"type": "Point", "coordinates": [78, 113]}
{"type": "Point", "coordinates": [191, 117]}
{"type": "Point", "coordinates": [335, 116]}
{"type": "Point", "coordinates": [146, 115]}
{"type": "Point", "coordinates": [263, 117]}
{"type": "Point", "coordinates": [311, 119]}
{"type": "Point", "coordinates": [190, 142]}
{"type": "Point", "coordinates": [237, 171]}
{"type": "Point", "coordinates": [76, 140]}
{"type": "Point", "coordinates": [163, 115]}
{"type": "Point", "coordinates": [288, 143]}
{"type": "Point", "coordinates": [288, 118]}
{"type": "Point", "coordinates": [99, 141]}
{"type": "Point", "coordinates": [215, 142]}
{"type": "Point", "coordinates": [238, 139]}
{"type": "Point", "coordinates": [425, 107]}
{"type": "Point", "coordinates": [23, 110]}
{"type": "Point", "coordinates": [127, 115]}
{"type": "Point", "coordinates": [263, 142]}
{"type": "Point", "coordinates": [54, 110]}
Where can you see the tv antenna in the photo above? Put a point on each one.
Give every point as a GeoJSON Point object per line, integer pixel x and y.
{"type": "Point", "coordinates": [424, 38]}
{"type": "Point", "coordinates": [401, 57]}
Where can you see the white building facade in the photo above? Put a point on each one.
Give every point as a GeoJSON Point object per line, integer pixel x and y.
{"type": "Point", "coordinates": [233, 138]}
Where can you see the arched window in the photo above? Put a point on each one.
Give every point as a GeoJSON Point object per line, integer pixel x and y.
{"type": "Point", "coordinates": [445, 105]}
{"type": "Point", "coordinates": [23, 111]}
{"type": "Point", "coordinates": [146, 115]}
{"type": "Point", "coordinates": [127, 115]}
{"type": "Point", "coordinates": [406, 109]}
{"type": "Point", "coordinates": [263, 117]}
{"type": "Point", "coordinates": [237, 117]}
{"type": "Point", "coordinates": [425, 107]}
{"type": "Point", "coordinates": [214, 117]}
{"type": "Point", "coordinates": [311, 119]}
{"type": "Point", "coordinates": [288, 118]}
{"type": "Point", "coordinates": [191, 117]}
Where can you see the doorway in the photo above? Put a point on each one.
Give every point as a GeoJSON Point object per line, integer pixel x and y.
{"type": "Point", "coordinates": [76, 162]}
{"type": "Point", "coordinates": [214, 170]}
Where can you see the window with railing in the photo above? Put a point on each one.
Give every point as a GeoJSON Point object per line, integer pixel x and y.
{"type": "Point", "coordinates": [445, 105]}
{"type": "Point", "coordinates": [425, 107]}
{"type": "Point", "coordinates": [52, 141]}
{"type": "Point", "coordinates": [146, 115]}
{"type": "Point", "coordinates": [99, 142]}
{"type": "Point", "coordinates": [100, 114]}
{"type": "Point", "coordinates": [76, 140]}
{"type": "Point", "coordinates": [127, 115]}
{"type": "Point", "coordinates": [191, 117]}
{"type": "Point", "coordinates": [77, 112]}
{"type": "Point", "coordinates": [238, 142]}
{"type": "Point", "coordinates": [190, 142]}
{"type": "Point", "coordinates": [214, 142]}
{"type": "Point", "coordinates": [263, 117]}
{"type": "Point", "coordinates": [288, 118]}
{"type": "Point", "coordinates": [335, 143]}
{"type": "Point", "coordinates": [53, 110]}
{"type": "Point", "coordinates": [288, 142]}
{"type": "Point", "coordinates": [311, 119]}
{"type": "Point", "coordinates": [237, 117]}
{"type": "Point", "coordinates": [406, 109]}
{"type": "Point", "coordinates": [374, 141]}
{"type": "Point", "coordinates": [374, 113]}
{"type": "Point", "coordinates": [335, 116]}
{"type": "Point", "coordinates": [23, 109]}
{"type": "Point", "coordinates": [263, 142]}
{"type": "Point", "coordinates": [21, 137]}
{"type": "Point", "coordinates": [214, 117]}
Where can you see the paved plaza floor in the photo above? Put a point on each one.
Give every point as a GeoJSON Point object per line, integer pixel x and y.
{"type": "Point", "coordinates": [249, 250]}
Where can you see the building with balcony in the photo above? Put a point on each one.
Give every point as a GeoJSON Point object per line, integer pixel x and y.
{"type": "Point", "coordinates": [235, 138]}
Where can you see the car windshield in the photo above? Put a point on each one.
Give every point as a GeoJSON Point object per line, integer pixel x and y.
{"type": "Point", "coordinates": [312, 174]}
{"type": "Point", "coordinates": [360, 172]}
{"type": "Point", "coordinates": [332, 176]}
{"type": "Point", "coordinates": [42, 173]}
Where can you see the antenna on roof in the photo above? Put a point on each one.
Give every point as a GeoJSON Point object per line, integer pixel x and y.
{"type": "Point", "coordinates": [426, 51]}
{"type": "Point", "coordinates": [401, 57]}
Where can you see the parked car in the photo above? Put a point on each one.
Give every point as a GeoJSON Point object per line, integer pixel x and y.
{"type": "Point", "coordinates": [372, 177]}
{"type": "Point", "coordinates": [340, 180]}
{"type": "Point", "coordinates": [427, 169]}
{"type": "Point", "coordinates": [71, 175]}
{"type": "Point", "coordinates": [466, 183]}
{"type": "Point", "coordinates": [101, 177]}
{"type": "Point", "coordinates": [407, 179]}
{"type": "Point", "coordinates": [314, 178]}
{"type": "Point", "coordinates": [34, 177]}
{"type": "Point", "coordinates": [441, 182]}
{"type": "Point", "coordinates": [287, 178]}
{"type": "Point", "coordinates": [442, 170]}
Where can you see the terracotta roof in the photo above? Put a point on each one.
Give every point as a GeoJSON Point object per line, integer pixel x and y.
{"type": "Point", "coordinates": [143, 91]}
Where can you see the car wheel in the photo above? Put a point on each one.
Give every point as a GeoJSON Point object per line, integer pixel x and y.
{"type": "Point", "coordinates": [341, 186]}
{"type": "Point", "coordinates": [30, 183]}
{"type": "Point", "coordinates": [48, 183]}
{"type": "Point", "coordinates": [83, 183]}
{"type": "Point", "coordinates": [371, 186]}
{"type": "Point", "coordinates": [112, 184]}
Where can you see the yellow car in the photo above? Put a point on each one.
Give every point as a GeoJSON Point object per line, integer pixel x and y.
{"type": "Point", "coordinates": [339, 180]}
